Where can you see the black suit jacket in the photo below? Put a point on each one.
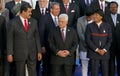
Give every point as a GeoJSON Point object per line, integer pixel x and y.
{"type": "Point", "coordinates": [41, 20]}
{"type": "Point", "coordinates": [10, 5]}
{"type": "Point", "coordinates": [73, 14]}
{"type": "Point", "coordinates": [49, 25]}
{"type": "Point", "coordinates": [2, 35]}
{"type": "Point", "coordinates": [21, 44]}
{"type": "Point", "coordinates": [95, 6]}
{"type": "Point", "coordinates": [56, 43]}
{"type": "Point", "coordinates": [115, 31]}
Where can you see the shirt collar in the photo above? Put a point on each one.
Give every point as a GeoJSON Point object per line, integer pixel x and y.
{"type": "Point", "coordinates": [17, 2]}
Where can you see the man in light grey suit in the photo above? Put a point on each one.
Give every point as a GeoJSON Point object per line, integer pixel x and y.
{"type": "Point", "coordinates": [23, 44]}
{"type": "Point", "coordinates": [81, 27]}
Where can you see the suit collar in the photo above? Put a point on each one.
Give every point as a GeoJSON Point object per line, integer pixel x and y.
{"type": "Point", "coordinates": [21, 24]}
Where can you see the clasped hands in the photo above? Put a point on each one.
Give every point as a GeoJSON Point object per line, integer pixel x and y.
{"type": "Point", "coordinates": [101, 52]}
{"type": "Point", "coordinates": [63, 53]}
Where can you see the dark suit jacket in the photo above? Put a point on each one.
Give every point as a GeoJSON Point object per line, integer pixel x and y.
{"type": "Point", "coordinates": [2, 35]}
{"type": "Point", "coordinates": [21, 44]}
{"type": "Point", "coordinates": [95, 6]}
{"type": "Point", "coordinates": [100, 38]}
{"type": "Point", "coordinates": [36, 13]}
{"type": "Point", "coordinates": [10, 5]}
{"type": "Point", "coordinates": [73, 14]}
{"type": "Point", "coordinates": [56, 43]}
{"type": "Point", "coordinates": [114, 29]}
{"type": "Point", "coordinates": [49, 25]}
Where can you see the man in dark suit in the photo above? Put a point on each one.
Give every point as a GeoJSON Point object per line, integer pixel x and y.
{"type": "Point", "coordinates": [114, 20]}
{"type": "Point", "coordinates": [39, 14]}
{"type": "Point", "coordinates": [13, 4]}
{"type": "Point", "coordinates": [63, 43]}
{"type": "Point", "coordinates": [50, 22]}
{"type": "Point", "coordinates": [23, 44]}
{"type": "Point", "coordinates": [98, 38]}
{"type": "Point", "coordinates": [2, 43]}
{"type": "Point", "coordinates": [100, 4]}
{"type": "Point", "coordinates": [73, 12]}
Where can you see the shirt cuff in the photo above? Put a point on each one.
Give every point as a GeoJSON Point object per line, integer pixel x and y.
{"type": "Point", "coordinates": [96, 50]}
{"type": "Point", "coordinates": [105, 50]}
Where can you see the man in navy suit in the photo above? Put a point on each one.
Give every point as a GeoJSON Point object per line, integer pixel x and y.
{"type": "Point", "coordinates": [100, 4]}
{"type": "Point", "coordinates": [98, 38]}
{"type": "Point", "coordinates": [39, 14]}
{"type": "Point", "coordinates": [51, 21]}
{"type": "Point", "coordinates": [63, 43]}
{"type": "Point", "coordinates": [13, 4]}
{"type": "Point", "coordinates": [72, 10]}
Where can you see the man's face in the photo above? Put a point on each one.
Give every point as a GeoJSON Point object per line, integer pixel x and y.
{"type": "Point", "coordinates": [62, 22]}
{"type": "Point", "coordinates": [55, 10]}
{"type": "Point", "coordinates": [0, 6]}
{"type": "Point", "coordinates": [97, 18]}
{"type": "Point", "coordinates": [43, 3]}
{"type": "Point", "coordinates": [28, 13]}
{"type": "Point", "coordinates": [113, 8]}
{"type": "Point", "coordinates": [17, 0]}
{"type": "Point", "coordinates": [65, 1]}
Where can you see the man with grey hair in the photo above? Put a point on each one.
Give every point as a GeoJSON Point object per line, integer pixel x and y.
{"type": "Point", "coordinates": [50, 22]}
{"type": "Point", "coordinates": [63, 43]}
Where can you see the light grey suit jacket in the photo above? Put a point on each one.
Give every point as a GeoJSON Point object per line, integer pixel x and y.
{"type": "Point", "coordinates": [21, 44]}
{"type": "Point", "coordinates": [81, 26]}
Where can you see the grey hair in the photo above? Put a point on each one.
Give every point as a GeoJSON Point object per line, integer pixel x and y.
{"type": "Point", "coordinates": [63, 16]}
{"type": "Point", "coordinates": [54, 3]}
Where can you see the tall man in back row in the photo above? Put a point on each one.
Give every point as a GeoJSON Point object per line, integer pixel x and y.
{"type": "Point", "coordinates": [23, 45]}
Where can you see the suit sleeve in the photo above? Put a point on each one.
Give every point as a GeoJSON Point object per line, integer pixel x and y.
{"type": "Point", "coordinates": [37, 38]}
{"type": "Point", "coordinates": [10, 38]}
{"type": "Point", "coordinates": [109, 39]}
{"type": "Point", "coordinates": [72, 49]}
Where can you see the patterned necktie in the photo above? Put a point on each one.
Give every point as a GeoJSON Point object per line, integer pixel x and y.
{"type": "Point", "coordinates": [63, 36]}
{"type": "Point", "coordinates": [25, 26]}
{"type": "Point", "coordinates": [55, 21]}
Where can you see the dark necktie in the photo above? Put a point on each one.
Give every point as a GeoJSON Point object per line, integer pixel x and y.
{"type": "Point", "coordinates": [66, 8]}
{"type": "Point", "coordinates": [43, 11]}
{"type": "Point", "coordinates": [25, 26]}
{"type": "Point", "coordinates": [63, 36]}
{"type": "Point", "coordinates": [102, 6]}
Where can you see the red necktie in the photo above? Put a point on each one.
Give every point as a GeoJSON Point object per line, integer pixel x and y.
{"type": "Point", "coordinates": [66, 8]}
{"type": "Point", "coordinates": [25, 25]}
{"type": "Point", "coordinates": [62, 33]}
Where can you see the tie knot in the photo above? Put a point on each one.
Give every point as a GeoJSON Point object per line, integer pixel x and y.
{"type": "Point", "coordinates": [25, 20]}
{"type": "Point", "coordinates": [62, 30]}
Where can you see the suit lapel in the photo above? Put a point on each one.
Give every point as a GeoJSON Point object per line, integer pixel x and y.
{"type": "Point", "coordinates": [67, 35]}
{"type": "Point", "coordinates": [20, 24]}
{"type": "Point", "coordinates": [29, 25]}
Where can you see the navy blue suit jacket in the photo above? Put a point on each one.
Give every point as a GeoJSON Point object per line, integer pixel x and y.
{"type": "Point", "coordinates": [98, 37]}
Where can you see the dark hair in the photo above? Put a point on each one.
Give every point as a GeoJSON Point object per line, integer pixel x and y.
{"type": "Point", "coordinates": [24, 7]}
{"type": "Point", "coordinates": [113, 2]}
{"type": "Point", "coordinates": [89, 11]}
{"type": "Point", "coordinates": [100, 12]}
